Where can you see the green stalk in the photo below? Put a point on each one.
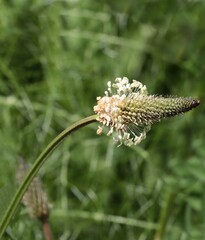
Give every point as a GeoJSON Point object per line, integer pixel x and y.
{"type": "Point", "coordinates": [165, 214]}
{"type": "Point", "coordinates": [36, 167]}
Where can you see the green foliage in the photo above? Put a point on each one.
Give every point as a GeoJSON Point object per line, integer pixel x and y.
{"type": "Point", "coordinates": [55, 58]}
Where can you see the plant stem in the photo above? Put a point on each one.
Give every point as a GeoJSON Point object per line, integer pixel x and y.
{"type": "Point", "coordinates": [47, 229]}
{"type": "Point", "coordinates": [36, 167]}
{"type": "Point", "coordinates": [164, 215]}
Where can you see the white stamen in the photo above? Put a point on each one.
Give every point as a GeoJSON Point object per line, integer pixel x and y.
{"type": "Point", "coordinates": [110, 113]}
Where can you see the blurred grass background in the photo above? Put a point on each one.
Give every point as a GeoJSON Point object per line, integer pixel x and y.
{"type": "Point", "coordinates": [55, 59]}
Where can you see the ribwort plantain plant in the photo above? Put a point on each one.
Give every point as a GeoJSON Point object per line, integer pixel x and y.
{"type": "Point", "coordinates": [126, 110]}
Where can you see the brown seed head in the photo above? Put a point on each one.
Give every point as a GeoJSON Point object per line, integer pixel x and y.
{"type": "Point", "coordinates": [35, 198]}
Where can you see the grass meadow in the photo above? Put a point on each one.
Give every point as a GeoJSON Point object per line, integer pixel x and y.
{"type": "Point", "coordinates": [56, 57]}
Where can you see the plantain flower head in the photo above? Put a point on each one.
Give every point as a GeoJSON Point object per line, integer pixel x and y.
{"type": "Point", "coordinates": [128, 111]}
{"type": "Point", "coordinates": [35, 199]}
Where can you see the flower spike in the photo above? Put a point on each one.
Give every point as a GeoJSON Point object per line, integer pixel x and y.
{"type": "Point", "coordinates": [129, 111]}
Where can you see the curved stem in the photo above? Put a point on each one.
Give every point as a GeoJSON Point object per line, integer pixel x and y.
{"type": "Point", "coordinates": [35, 168]}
